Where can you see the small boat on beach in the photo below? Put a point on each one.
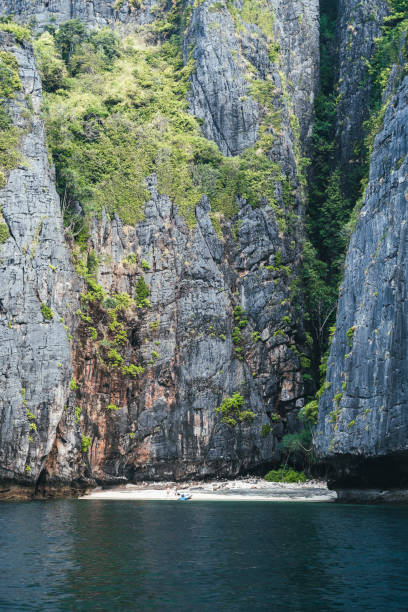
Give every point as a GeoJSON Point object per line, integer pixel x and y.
{"type": "Point", "coordinates": [183, 496]}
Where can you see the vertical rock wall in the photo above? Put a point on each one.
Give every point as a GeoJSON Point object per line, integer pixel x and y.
{"type": "Point", "coordinates": [166, 426]}
{"type": "Point", "coordinates": [35, 270]}
{"type": "Point", "coordinates": [362, 430]}
{"type": "Point", "coordinates": [230, 53]}
{"type": "Point", "coordinates": [359, 24]}
{"type": "Point", "coordinates": [96, 13]}
{"type": "Point", "coordinates": [363, 415]}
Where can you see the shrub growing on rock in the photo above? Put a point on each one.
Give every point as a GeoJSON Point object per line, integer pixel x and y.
{"type": "Point", "coordinates": [232, 411]}
{"type": "Point", "coordinates": [285, 475]}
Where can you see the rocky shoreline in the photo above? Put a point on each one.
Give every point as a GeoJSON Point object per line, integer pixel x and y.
{"type": "Point", "coordinates": [248, 489]}
{"type": "Point", "coordinates": [372, 496]}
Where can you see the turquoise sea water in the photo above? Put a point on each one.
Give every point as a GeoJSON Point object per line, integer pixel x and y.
{"type": "Point", "coordinates": [117, 555]}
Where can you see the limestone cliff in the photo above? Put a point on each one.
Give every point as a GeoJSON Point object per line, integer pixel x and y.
{"type": "Point", "coordinates": [361, 433]}
{"type": "Point", "coordinates": [223, 315]}
{"type": "Point", "coordinates": [184, 287]}
{"type": "Point", "coordinates": [38, 292]}
{"type": "Point", "coordinates": [281, 48]}
{"type": "Point", "coordinates": [362, 429]}
{"type": "Point", "coordinates": [97, 13]}
{"type": "Point", "coordinates": [358, 26]}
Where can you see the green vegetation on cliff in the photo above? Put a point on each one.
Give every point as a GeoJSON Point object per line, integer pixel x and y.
{"type": "Point", "coordinates": [9, 86]}
{"type": "Point", "coordinates": [116, 112]}
{"type": "Point", "coordinates": [391, 49]}
{"type": "Point", "coordinates": [232, 410]}
{"type": "Point", "coordinates": [19, 32]}
{"type": "Point", "coordinates": [331, 212]}
{"type": "Point", "coordinates": [334, 203]}
{"type": "Point", "coordinates": [326, 214]}
{"type": "Point", "coordinates": [391, 52]}
{"type": "Point", "coordinates": [285, 475]}
{"type": "Point", "coordinates": [9, 134]}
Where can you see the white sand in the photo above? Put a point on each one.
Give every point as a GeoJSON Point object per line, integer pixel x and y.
{"type": "Point", "coordinates": [249, 489]}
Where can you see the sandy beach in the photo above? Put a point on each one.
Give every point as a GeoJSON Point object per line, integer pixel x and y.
{"type": "Point", "coordinates": [248, 489]}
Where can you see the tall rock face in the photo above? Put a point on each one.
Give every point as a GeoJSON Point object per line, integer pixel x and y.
{"type": "Point", "coordinates": [97, 13]}
{"type": "Point", "coordinates": [363, 426]}
{"type": "Point", "coordinates": [37, 288]}
{"type": "Point", "coordinates": [166, 426]}
{"type": "Point", "coordinates": [199, 280]}
{"type": "Point", "coordinates": [236, 43]}
{"type": "Point", "coordinates": [359, 24]}
{"type": "Point", "coordinates": [223, 316]}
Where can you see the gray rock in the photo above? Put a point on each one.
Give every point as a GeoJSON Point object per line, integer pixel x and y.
{"type": "Point", "coordinates": [219, 87]}
{"type": "Point", "coordinates": [97, 13]}
{"type": "Point", "coordinates": [367, 362]}
{"type": "Point", "coordinates": [166, 426]}
{"type": "Point", "coordinates": [372, 496]}
{"type": "Point", "coordinates": [230, 53]}
{"type": "Point", "coordinates": [359, 24]}
{"type": "Point", "coordinates": [195, 281]}
{"type": "Point", "coordinates": [35, 269]}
